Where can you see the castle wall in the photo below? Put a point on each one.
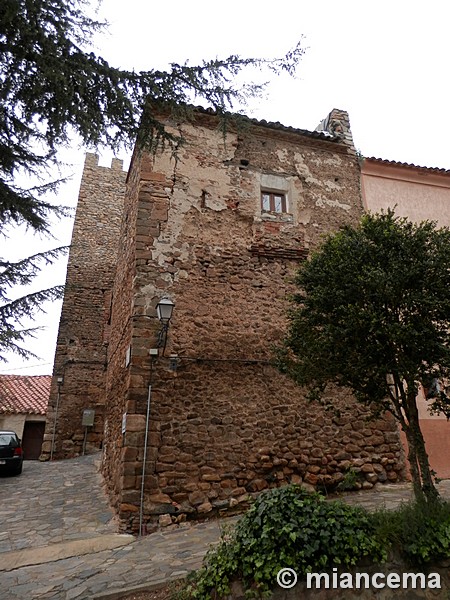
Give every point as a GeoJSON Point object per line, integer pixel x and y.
{"type": "Point", "coordinates": [83, 336]}
{"type": "Point", "coordinates": [224, 423]}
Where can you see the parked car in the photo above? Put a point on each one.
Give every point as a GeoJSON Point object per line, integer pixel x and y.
{"type": "Point", "coordinates": [11, 453]}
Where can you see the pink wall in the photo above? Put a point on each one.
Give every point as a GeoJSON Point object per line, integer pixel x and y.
{"type": "Point", "coordinates": [419, 194]}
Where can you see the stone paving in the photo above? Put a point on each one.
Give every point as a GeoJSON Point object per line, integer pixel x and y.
{"type": "Point", "coordinates": [60, 510]}
{"type": "Point", "coordinates": [53, 502]}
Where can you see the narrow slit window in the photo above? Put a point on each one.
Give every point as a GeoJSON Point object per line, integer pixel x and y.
{"type": "Point", "coordinates": [273, 202]}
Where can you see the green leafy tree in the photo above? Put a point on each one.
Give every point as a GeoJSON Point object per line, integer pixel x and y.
{"type": "Point", "coordinates": [372, 315]}
{"type": "Point", "coordinates": [52, 88]}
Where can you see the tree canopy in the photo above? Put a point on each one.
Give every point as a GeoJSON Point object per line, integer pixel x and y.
{"type": "Point", "coordinates": [372, 314]}
{"type": "Point", "coordinates": [52, 87]}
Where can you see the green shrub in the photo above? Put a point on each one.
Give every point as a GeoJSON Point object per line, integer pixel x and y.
{"type": "Point", "coordinates": [420, 531]}
{"type": "Point", "coordinates": [286, 527]}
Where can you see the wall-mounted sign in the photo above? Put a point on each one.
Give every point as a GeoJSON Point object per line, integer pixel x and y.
{"type": "Point", "coordinates": [88, 417]}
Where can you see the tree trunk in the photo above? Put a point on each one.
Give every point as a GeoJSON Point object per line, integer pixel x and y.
{"type": "Point", "coordinates": [414, 464]}
{"type": "Point", "coordinates": [427, 484]}
{"type": "Point", "coordinates": [405, 406]}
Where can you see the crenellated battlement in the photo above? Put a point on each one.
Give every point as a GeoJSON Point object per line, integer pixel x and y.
{"type": "Point", "coordinates": [92, 161]}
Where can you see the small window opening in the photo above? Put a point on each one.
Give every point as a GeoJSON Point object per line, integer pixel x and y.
{"type": "Point", "coordinates": [273, 202]}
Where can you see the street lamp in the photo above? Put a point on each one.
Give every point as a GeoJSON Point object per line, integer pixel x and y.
{"type": "Point", "coordinates": [164, 310]}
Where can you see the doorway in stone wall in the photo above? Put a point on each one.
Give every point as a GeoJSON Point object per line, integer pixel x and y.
{"type": "Point", "coordinates": [33, 435]}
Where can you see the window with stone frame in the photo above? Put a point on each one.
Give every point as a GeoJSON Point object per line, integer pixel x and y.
{"type": "Point", "coordinates": [273, 202]}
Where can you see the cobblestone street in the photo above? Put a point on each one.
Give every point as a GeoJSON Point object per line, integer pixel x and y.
{"type": "Point", "coordinates": [59, 540]}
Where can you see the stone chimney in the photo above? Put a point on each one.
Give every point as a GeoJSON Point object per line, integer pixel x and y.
{"type": "Point", "coordinates": [337, 123]}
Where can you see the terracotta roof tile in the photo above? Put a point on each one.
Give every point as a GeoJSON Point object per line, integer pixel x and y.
{"type": "Point", "coordinates": [394, 163]}
{"type": "Point", "coordinates": [319, 135]}
{"type": "Point", "coordinates": [24, 394]}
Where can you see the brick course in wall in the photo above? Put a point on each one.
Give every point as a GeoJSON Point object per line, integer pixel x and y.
{"type": "Point", "coordinates": [225, 423]}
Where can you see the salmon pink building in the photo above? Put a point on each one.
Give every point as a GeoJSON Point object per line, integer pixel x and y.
{"type": "Point", "coordinates": [419, 194]}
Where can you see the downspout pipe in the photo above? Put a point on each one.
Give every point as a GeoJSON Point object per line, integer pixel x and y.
{"type": "Point", "coordinates": [144, 461]}
{"type": "Point", "coordinates": [58, 396]}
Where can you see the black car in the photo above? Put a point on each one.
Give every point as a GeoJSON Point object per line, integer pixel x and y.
{"type": "Point", "coordinates": [11, 453]}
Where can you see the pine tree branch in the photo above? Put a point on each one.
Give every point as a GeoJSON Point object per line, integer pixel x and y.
{"type": "Point", "coordinates": [23, 271]}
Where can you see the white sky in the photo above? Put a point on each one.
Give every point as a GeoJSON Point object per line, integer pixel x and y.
{"type": "Point", "coordinates": [386, 63]}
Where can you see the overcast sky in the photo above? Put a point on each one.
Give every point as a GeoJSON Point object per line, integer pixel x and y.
{"type": "Point", "coordinates": [386, 63]}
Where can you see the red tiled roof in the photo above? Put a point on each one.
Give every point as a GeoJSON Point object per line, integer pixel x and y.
{"type": "Point", "coordinates": [320, 135]}
{"type": "Point", "coordinates": [24, 394]}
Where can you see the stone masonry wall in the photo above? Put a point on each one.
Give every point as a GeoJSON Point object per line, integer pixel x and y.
{"type": "Point", "coordinates": [84, 326]}
{"type": "Point", "coordinates": [225, 423]}
{"type": "Point", "coordinates": [222, 430]}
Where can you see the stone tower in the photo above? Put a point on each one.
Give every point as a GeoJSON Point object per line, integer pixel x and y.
{"type": "Point", "coordinates": [80, 359]}
{"type": "Point", "coordinates": [220, 229]}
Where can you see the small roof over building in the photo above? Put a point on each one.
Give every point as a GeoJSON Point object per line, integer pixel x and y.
{"type": "Point", "coordinates": [27, 394]}
{"type": "Point", "coordinates": [373, 160]}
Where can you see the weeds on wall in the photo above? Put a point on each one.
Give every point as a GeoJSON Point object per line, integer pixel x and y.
{"type": "Point", "coordinates": [350, 481]}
